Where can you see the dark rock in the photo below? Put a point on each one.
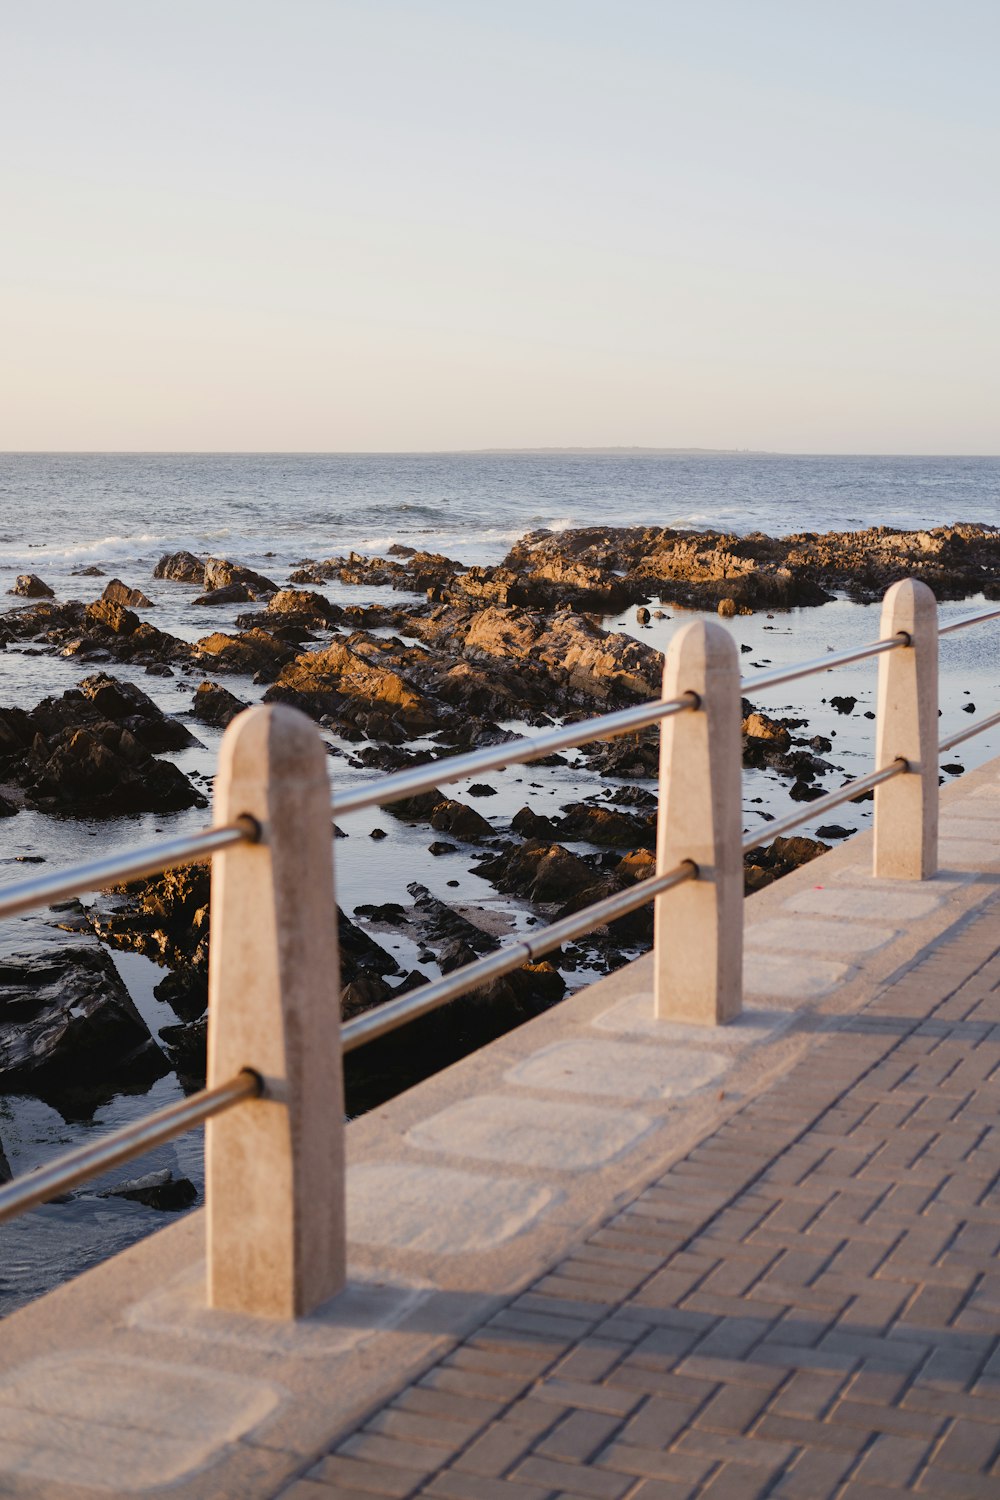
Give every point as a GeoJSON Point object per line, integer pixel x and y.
{"type": "Point", "coordinates": [156, 1190]}
{"type": "Point", "coordinates": [69, 1032]}
{"type": "Point", "coordinates": [600, 825]}
{"type": "Point", "coordinates": [968, 708]}
{"type": "Point", "coordinates": [769, 862]}
{"type": "Point", "coordinates": [8, 809]}
{"type": "Point", "coordinates": [182, 567]}
{"type": "Point", "coordinates": [463, 822]}
{"type": "Point", "coordinates": [254, 653]}
{"type": "Point", "coordinates": [117, 592]}
{"type": "Point", "coordinates": [804, 791]}
{"type": "Point", "coordinates": [480, 789]}
{"type": "Point", "coordinates": [230, 593]}
{"type": "Point", "coordinates": [30, 586]}
{"type": "Point", "coordinates": [439, 847]}
{"type": "Point", "coordinates": [220, 573]}
{"type": "Point", "coordinates": [530, 825]}
{"type": "Point", "coordinates": [215, 705]}
{"type": "Point", "coordinates": [843, 703]}
{"type": "Point", "coordinates": [538, 870]}
{"type": "Point", "coordinates": [833, 831]}
{"type": "Point", "coordinates": [953, 769]}
{"type": "Point", "coordinates": [642, 615]}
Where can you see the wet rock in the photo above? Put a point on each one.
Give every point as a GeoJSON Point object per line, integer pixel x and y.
{"type": "Point", "coordinates": [182, 567]}
{"type": "Point", "coordinates": [90, 571]}
{"type": "Point", "coordinates": [441, 924]}
{"type": "Point", "coordinates": [769, 862]}
{"type": "Point", "coordinates": [8, 809]}
{"type": "Point", "coordinates": [600, 825]}
{"type": "Point", "coordinates": [30, 586]}
{"type": "Point", "coordinates": [107, 615]}
{"type": "Point", "coordinates": [216, 705]}
{"type": "Point", "coordinates": [254, 653]}
{"type": "Point", "coordinates": [67, 757]}
{"type": "Point", "coordinates": [440, 847]}
{"type": "Point", "coordinates": [124, 703]}
{"type": "Point", "coordinates": [220, 573]}
{"type": "Point", "coordinates": [480, 789]}
{"type": "Point", "coordinates": [117, 592]}
{"type": "Point", "coordinates": [843, 703]}
{"type": "Point", "coordinates": [539, 871]}
{"type": "Point", "coordinates": [642, 615]}
{"type": "Point", "coordinates": [230, 593]}
{"type": "Point", "coordinates": [833, 831]}
{"type": "Point", "coordinates": [531, 825]}
{"type": "Point", "coordinates": [804, 791]}
{"type": "Point", "coordinates": [156, 1190]}
{"type": "Point", "coordinates": [69, 1032]}
{"type": "Point", "coordinates": [463, 822]}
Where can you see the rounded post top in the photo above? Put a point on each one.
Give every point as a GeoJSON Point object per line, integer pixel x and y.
{"type": "Point", "coordinates": [702, 645]}
{"type": "Point", "coordinates": [274, 742]}
{"type": "Point", "coordinates": [908, 605]}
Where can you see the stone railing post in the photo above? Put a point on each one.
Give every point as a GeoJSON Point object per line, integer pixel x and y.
{"type": "Point", "coordinates": [699, 925]}
{"type": "Point", "coordinates": [275, 1165]}
{"type": "Point", "coordinates": [906, 808]}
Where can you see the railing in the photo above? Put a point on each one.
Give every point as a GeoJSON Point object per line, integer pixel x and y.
{"type": "Point", "coordinates": [274, 1102]}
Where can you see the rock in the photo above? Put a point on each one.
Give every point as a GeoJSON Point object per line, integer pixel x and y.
{"type": "Point", "coordinates": [90, 571]}
{"type": "Point", "coordinates": [769, 862]}
{"type": "Point", "coordinates": [156, 1190]}
{"type": "Point", "coordinates": [68, 757]}
{"type": "Point", "coordinates": [230, 593]}
{"type": "Point", "coordinates": [117, 592]}
{"type": "Point", "coordinates": [107, 615]}
{"type": "Point", "coordinates": [600, 825]}
{"type": "Point", "coordinates": [843, 703]}
{"type": "Point", "coordinates": [220, 573]}
{"type": "Point", "coordinates": [124, 703]}
{"type": "Point", "coordinates": [254, 653]}
{"type": "Point", "coordinates": [215, 705]}
{"type": "Point", "coordinates": [833, 831]}
{"type": "Point", "coordinates": [539, 871]}
{"type": "Point", "coordinates": [952, 769]}
{"type": "Point", "coordinates": [69, 1032]}
{"type": "Point", "coordinates": [463, 822]}
{"type": "Point", "coordinates": [968, 708]}
{"type": "Point", "coordinates": [30, 586]}
{"type": "Point", "coordinates": [804, 791]}
{"type": "Point", "coordinates": [8, 809]}
{"type": "Point", "coordinates": [362, 994]}
{"type": "Point", "coordinates": [642, 615]}
{"type": "Point", "coordinates": [439, 847]}
{"type": "Point", "coordinates": [727, 608]}
{"type": "Point", "coordinates": [759, 726]}
{"type": "Point", "coordinates": [480, 789]}
{"type": "Point", "coordinates": [182, 567]}
{"type": "Point", "coordinates": [530, 825]}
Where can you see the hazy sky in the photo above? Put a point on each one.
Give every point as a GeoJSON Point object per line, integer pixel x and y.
{"type": "Point", "coordinates": [357, 224]}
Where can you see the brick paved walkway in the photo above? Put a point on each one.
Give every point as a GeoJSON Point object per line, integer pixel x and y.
{"type": "Point", "coordinates": [807, 1305]}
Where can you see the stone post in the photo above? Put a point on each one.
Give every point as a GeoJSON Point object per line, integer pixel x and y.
{"type": "Point", "coordinates": [699, 925]}
{"type": "Point", "coordinates": [906, 808]}
{"type": "Point", "coordinates": [275, 1165]}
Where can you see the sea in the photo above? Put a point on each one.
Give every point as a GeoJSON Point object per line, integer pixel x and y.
{"type": "Point", "coordinates": [65, 512]}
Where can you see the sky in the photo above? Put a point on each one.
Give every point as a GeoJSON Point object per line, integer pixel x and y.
{"type": "Point", "coordinates": [360, 225]}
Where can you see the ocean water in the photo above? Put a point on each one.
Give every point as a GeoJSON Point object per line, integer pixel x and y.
{"type": "Point", "coordinates": [119, 512]}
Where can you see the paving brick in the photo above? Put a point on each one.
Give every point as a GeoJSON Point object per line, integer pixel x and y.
{"type": "Point", "coordinates": [573, 1479]}
{"type": "Point", "coordinates": [373, 1448]}
{"type": "Point", "coordinates": [579, 1436]}
{"type": "Point", "coordinates": [657, 1422]}
{"type": "Point", "coordinates": [370, 1478]}
{"type": "Point", "coordinates": [454, 1485]}
{"type": "Point", "coordinates": [969, 1445]}
{"type": "Point", "coordinates": [892, 1461]}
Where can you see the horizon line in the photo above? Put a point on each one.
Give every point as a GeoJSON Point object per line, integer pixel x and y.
{"type": "Point", "coordinates": [608, 450]}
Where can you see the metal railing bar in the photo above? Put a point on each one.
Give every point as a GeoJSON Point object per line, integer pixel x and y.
{"type": "Point", "coordinates": [989, 614]}
{"type": "Point", "coordinates": [411, 783]}
{"type": "Point", "coordinates": [967, 734]}
{"type": "Point", "coordinates": [120, 1146]}
{"type": "Point", "coordinates": [429, 997]}
{"type": "Point", "coordinates": [44, 890]}
{"type": "Point", "coordinates": [844, 658]}
{"type": "Point", "coordinates": [820, 805]}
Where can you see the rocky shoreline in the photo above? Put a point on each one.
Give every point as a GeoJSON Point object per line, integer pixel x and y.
{"type": "Point", "coordinates": [397, 682]}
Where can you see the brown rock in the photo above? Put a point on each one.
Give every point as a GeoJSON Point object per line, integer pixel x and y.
{"type": "Point", "coordinates": [30, 586]}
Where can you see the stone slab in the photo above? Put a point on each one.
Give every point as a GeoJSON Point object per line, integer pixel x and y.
{"type": "Point", "coordinates": [873, 901]}
{"type": "Point", "coordinates": [635, 1016]}
{"type": "Point", "coordinates": [791, 978]}
{"type": "Point", "coordinates": [409, 1206]}
{"type": "Point", "coordinates": [821, 935]}
{"type": "Point", "coordinates": [123, 1425]}
{"type": "Point", "coordinates": [530, 1132]}
{"type": "Point", "coordinates": [619, 1069]}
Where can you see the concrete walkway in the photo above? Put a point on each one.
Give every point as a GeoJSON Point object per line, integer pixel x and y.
{"type": "Point", "coordinates": [610, 1257]}
{"type": "Point", "coordinates": [806, 1305]}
